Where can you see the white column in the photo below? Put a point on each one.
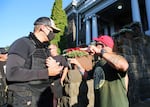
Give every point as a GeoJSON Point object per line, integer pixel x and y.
{"type": "Point", "coordinates": [94, 27]}
{"type": "Point", "coordinates": [135, 11]}
{"type": "Point", "coordinates": [147, 4]}
{"type": "Point", "coordinates": [74, 30]}
{"type": "Point", "coordinates": [88, 32]}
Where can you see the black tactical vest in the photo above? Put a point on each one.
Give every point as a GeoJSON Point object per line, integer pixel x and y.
{"type": "Point", "coordinates": [38, 59]}
{"type": "Point", "coordinates": [38, 62]}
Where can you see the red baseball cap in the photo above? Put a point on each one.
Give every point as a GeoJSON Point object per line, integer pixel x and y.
{"type": "Point", "coordinates": [105, 39]}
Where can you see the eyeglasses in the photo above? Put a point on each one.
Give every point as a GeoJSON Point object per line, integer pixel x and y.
{"type": "Point", "coordinates": [49, 28]}
{"type": "Point", "coordinates": [97, 43]}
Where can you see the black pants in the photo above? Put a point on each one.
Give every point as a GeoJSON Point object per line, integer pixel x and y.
{"type": "Point", "coordinates": [31, 98]}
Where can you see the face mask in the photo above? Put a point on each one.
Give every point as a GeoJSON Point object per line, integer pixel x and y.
{"type": "Point", "coordinates": [51, 36]}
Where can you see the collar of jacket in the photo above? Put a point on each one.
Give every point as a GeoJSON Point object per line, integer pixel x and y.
{"type": "Point", "coordinates": [37, 43]}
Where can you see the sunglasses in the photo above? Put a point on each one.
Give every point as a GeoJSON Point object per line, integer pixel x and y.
{"type": "Point", "coordinates": [49, 28]}
{"type": "Point", "coordinates": [97, 43]}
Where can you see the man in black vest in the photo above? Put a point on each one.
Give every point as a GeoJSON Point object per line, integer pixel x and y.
{"type": "Point", "coordinates": [29, 66]}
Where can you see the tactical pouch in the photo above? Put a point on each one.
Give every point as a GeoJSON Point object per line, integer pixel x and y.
{"type": "Point", "coordinates": [22, 96]}
{"type": "Point", "coordinates": [57, 88]}
{"type": "Point", "coordinates": [9, 97]}
{"type": "Point", "coordinates": [3, 94]}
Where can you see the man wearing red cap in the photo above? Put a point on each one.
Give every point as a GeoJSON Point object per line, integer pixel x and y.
{"type": "Point", "coordinates": [109, 74]}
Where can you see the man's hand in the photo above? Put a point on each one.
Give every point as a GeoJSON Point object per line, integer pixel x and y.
{"type": "Point", "coordinates": [94, 50]}
{"type": "Point", "coordinates": [76, 62]}
{"type": "Point", "coordinates": [53, 67]}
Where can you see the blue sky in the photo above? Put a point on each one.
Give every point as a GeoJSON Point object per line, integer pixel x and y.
{"type": "Point", "coordinates": [17, 17]}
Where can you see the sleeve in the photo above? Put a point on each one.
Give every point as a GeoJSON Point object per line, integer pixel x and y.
{"type": "Point", "coordinates": [64, 62]}
{"type": "Point", "coordinates": [15, 70]}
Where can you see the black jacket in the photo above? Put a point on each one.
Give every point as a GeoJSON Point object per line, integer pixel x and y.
{"type": "Point", "coordinates": [19, 61]}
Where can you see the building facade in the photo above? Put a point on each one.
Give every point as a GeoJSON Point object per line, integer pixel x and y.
{"type": "Point", "coordinates": [89, 18]}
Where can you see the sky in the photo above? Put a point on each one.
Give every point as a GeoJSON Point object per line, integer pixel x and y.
{"type": "Point", "coordinates": [17, 17]}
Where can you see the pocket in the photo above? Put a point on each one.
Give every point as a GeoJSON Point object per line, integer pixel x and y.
{"type": "Point", "coordinates": [22, 98]}
{"type": "Point", "coordinates": [10, 97]}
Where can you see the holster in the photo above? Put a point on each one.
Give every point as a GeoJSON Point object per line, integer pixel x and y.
{"type": "Point", "coordinates": [9, 97]}
{"type": "Point", "coordinates": [19, 95]}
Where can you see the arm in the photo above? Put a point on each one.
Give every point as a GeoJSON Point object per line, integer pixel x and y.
{"type": "Point", "coordinates": [65, 71]}
{"type": "Point", "coordinates": [116, 61]}
{"type": "Point", "coordinates": [80, 68]}
{"type": "Point", "coordinates": [15, 70]}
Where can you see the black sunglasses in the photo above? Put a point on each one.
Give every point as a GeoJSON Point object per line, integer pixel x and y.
{"type": "Point", "coordinates": [97, 43]}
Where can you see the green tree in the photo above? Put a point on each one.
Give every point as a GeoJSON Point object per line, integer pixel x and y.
{"type": "Point", "coordinates": [60, 18]}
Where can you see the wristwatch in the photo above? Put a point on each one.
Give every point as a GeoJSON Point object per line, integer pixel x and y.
{"type": "Point", "coordinates": [102, 52]}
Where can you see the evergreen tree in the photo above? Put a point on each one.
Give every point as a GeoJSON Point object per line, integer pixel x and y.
{"type": "Point", "coordinates": [60, 18]}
